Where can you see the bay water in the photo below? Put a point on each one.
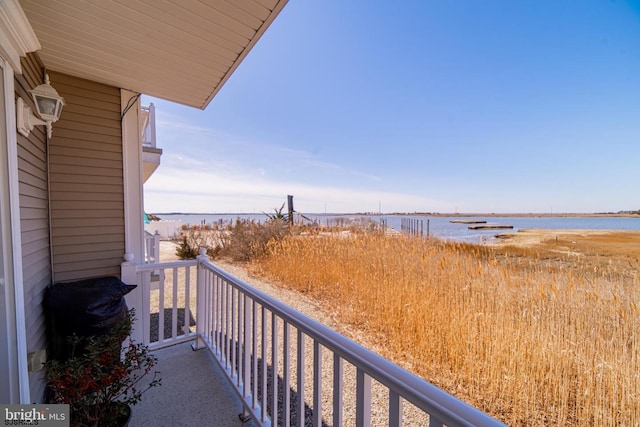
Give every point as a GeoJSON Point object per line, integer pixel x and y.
{"type": "Point", "coordinates": [435, 225]}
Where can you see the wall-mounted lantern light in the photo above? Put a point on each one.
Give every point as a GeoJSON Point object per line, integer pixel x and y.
{"type": "Point", "coordinates": [48, 105]}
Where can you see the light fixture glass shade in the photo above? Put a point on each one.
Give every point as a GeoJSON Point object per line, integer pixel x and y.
{"type": "Point", "coordinates": [47, 101]}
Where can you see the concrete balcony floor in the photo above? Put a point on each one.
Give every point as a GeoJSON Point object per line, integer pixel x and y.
{"type": "Point", "coordinates": [194, 392]}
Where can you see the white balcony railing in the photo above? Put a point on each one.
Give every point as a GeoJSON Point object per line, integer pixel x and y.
{"type": "Point", "coordinates": [285, 366]}
{"type": "Point", "coordinates": [148, 126]}
{"type": "Point", "coordinates": [151, 247]}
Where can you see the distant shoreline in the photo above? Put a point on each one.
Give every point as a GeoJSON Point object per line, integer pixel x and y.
{"type": "Point", "coordinates": [491, 215]}
{"type": "Point", "coordinates": [542, 215]}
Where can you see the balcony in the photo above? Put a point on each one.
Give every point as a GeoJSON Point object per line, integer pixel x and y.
{"type": "Point", "coordinates": [256, 357]}
{"type": "Point", "coordinates": [194, 392]}
{"type": "Point", "coordinates": [150, 153]}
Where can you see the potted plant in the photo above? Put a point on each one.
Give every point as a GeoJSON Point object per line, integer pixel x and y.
{"type": "Point", "coordinates": [102, 378]}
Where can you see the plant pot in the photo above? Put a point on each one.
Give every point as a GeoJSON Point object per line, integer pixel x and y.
{"type": "Point", "coordinates": [122, 420]}
{"type": "Point", "coordinates": [125, 419]}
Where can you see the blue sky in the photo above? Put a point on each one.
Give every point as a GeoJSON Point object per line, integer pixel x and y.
{"type": "Point", "coordinates": [417, 106]}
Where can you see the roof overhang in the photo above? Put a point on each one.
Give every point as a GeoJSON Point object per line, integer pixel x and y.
{"type": "Point", "coordinates": [180, 51]}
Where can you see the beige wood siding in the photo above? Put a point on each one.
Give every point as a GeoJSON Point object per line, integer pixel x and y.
{"type": "Point", "coordinates": [34, 221]}
{"type": "Point", "coordinates": [86, 181]}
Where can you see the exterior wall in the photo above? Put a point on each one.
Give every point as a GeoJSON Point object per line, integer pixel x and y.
{"type": "Point", "coordinates": [86, 181]}
{"type": "Point", "coordinates": [70, 195]}
{"type": "Point", "coordinates": [34, 220]}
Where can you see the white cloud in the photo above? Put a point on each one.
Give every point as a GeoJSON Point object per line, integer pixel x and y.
{"type": "Point", "coordinates": [205, 170]}
{"type": "Point", "coordinates": [210, 145]}
{"type": "Point", "coordinates": [188, 190]}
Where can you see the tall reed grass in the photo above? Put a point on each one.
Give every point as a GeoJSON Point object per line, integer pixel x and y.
{"type": "Point", "coordinates": [528, 342]}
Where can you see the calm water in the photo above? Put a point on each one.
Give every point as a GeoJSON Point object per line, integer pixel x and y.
{"type": "Point", "coordinates": [440, 226]}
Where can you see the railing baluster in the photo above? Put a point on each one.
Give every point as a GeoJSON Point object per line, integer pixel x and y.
{"type": "Point", "coordinates": [248, 346]}
{"type": "Point", "coordinates": [254, 368]}
{"type": "Point", "coordinates": [213, 313]}
{"type": "Point", "coordinates": [227, 323]}
{"type": "Point", "coordinates": [240, 340]}
{"type": "Point", "coordinates": [395, 409]}
{"type": "Point", "coordinates": [300, 407]}
{"type": "Point", "coordinates": [207, 295]}
{"type": "Point", "coordinates": [174, 305]}
{"type": "Point", "coordinates": [338, 371]}
{"type": "Point", "coordinates": [156, 247]}
{"type": "Point", "coordinates": [363, 399]}
{"type": "Point", "coordinates": [264, 365]}
{"type": "Point", "coordinates": [161, 277]}
{"type": "Point", "coordinates": [286, 375]}
{"type": "Point", "coordinates": [146, 306]}
{"type": "Point", "coordinates": [215, 296]}
{"type": "Point", "coordinates": [317, 384]}
{"type": "Point", "coordinates": [234, 318]}
{"type": "Point", "coordinates": [434, 422]}
{"type": "Point", "coordinates": [187, 298]}
{"type": "Point", "coordinates": [161, 308]}
{"type": "Point", "coordinates": [204, 299]}
{"type": "Point", "coordinates": [274, 369]}
{"type": "Point", "coordinates": [223, 323]}
{"type": "Point", "coordinates": [218, 316]}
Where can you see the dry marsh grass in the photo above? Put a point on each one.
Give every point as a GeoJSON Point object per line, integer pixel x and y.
{"type": "Point", "coordinates": [529, 341]}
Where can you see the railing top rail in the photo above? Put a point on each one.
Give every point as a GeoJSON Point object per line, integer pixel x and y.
{"type": "Point", "coordinates": [163, 265]}
{"type": "Point", "coordinates": [421, 393]}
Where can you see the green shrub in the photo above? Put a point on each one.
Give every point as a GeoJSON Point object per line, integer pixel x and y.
{"type": "Point", "coordinates": [248, 240]}
{"type": "Point", "coordinates": [240, 241]}
{"type": "Point", "coordinates": [185, 250]}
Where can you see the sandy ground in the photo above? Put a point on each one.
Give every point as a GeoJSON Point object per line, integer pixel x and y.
{"type": "Point", "coordinates": [611, 250]}
{"type": "Point", "coordinates": [587, 239]}
{"type": "Point", "coordinates": [606, 243]}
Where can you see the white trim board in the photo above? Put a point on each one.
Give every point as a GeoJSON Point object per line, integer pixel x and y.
{"type": "Point", "coordinates": [17, 38]}
{"type": "Point", "coordinates": [16, 345]}
{"type": "Point", "coordinates": [133, 204]}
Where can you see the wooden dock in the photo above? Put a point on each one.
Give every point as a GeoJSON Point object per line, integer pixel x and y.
{"type": "Point", "coordinates": [467, 221]}
{"type": "Point", "coordinates": [490, 227]}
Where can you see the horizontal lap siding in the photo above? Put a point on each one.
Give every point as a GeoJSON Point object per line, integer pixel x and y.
{"type": "Point", "coordinates": [34, 222]}
{"type": "Point", "coordinates": [86, 181]}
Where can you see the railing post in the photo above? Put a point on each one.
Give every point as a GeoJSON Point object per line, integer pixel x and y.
{"type": "Point", "coordinates": [135, 298]}
{"type": "Point", "coordinates": [200, 303]}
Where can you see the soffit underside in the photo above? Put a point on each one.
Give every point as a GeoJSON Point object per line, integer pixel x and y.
{"type": "Point", "coordinates": [180, 52]}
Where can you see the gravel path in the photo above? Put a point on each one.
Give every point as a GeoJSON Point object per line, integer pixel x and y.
{"type": "Point", "coordinates": [310, 308]}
